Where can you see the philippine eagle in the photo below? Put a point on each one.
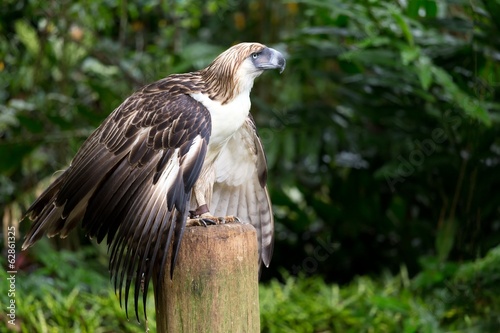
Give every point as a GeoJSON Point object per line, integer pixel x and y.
{"type": "Point", "coordinates": [182, 150]}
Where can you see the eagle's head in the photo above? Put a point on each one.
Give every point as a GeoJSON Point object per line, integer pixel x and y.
{"type": "Point", "coordinates": [234, 71]}
{"type": "Point", "coordinates": [254, 58]}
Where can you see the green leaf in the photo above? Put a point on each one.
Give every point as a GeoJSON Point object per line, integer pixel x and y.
{"type": "Point", "coordinates": [94, 66]}
{"type": "Point", "coordinates": [413, 8]}
{"type": "Point", "coordinates": [430, 8]}
{"type": "Point", "coordinates": [374, 41]}
{"type": "Point", "coordinates": [445, 239]}
{"type": "Point", "coordinates": [28, 36]}
{"type": "Point", "coordinates": [371, 57]}
{"type": "Point", "coordinates": [16, 152]}
{"type": "Point", "coordinates": [471, 106]}
{"type": "Point", "coordinates": [401, 21]}
{"type": "Point", "coordinates": [409, 54]}
{"type": "Point", "coordinates": [424, 72]}
{"type": "Point", "coordinates": [7, 118]}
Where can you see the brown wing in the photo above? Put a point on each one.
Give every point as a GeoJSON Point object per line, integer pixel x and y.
{"type": "Point", "coordinates": [131, 182]}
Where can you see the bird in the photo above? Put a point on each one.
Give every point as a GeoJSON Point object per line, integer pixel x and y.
{"type": "Point", "coordinates": [178, 152]}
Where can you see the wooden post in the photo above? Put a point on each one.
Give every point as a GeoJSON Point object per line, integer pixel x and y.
{"type": "Point", "coordinates": [215, 283]}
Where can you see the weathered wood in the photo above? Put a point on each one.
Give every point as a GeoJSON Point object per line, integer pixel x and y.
{"type": "Point", "coordinates": [215, 283]}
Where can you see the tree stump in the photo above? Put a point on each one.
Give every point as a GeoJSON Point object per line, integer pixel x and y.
{"type": "Point", "coordinates": [215, 283]}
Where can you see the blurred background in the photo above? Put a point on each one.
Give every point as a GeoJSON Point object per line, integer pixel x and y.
{"type": "Point", "coordinates": [382, 139]}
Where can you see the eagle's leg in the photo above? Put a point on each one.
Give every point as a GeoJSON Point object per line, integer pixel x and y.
{"type": "Point", "coordinates": [208, 219]}
{"type": "Point", "coordinates": [201, 215]}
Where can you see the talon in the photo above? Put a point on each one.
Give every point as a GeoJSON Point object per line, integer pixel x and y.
{"type": "Point", "coordinates": [201, 221]}
{"type": "Point", "coordinates": [208, 221]}
{"type": "Point", "coordinates": [211, 220]}
{"type": "Point", "coordinates": [191, 222]}
{"type": "Point", "coordinates": [233, 219]}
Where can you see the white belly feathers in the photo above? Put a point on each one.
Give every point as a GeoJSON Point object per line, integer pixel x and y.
{"type": "Point", "coordinates": [226, 119]}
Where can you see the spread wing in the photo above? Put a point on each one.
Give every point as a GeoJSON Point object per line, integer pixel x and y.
{"type": "Point", "coordinates": [131, 182]}
{"type": "Point", "coordinates": [240, 185]}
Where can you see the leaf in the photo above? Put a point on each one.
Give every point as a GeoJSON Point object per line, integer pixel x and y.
{"type": "Point", "coordinates": [413, 8]}
{"type": "Point", "coordinates": [389, 303]}
{"type": "Point", "coordinates": [371, 57]}
{"type": "Point", "coordinates": [430, 8]}
{"type": "Point", "coordinates": [7, 118]}
{"type": "Point", "coordinates": [93, 65]}
{"type": "Point", "coordinates": [28, 36]}
{"type": "Point", "coordinates": [374, 41]}
{"type": "Point", "coordinates": [409, 54]}
{"type": "Point", "coordinates": [424, 72]}
{"type": "Point", "coordinates": [471, 106]}
{"type": "Point", "coordinates": [400, 20]}
{"type": "Point", "coordinates": [15, 152]}
{"type": "Point", "coordinates": [445, 239]}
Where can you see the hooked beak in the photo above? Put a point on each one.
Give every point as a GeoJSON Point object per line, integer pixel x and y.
{"type": "Point", "coordinates": [270, 59]}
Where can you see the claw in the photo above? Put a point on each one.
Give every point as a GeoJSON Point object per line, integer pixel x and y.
{"type": "Point", "coordinates": [211, 220]}
{"type": "Point", "coordinates": [232, 219]}
{"type": "Point", "coordinates": [202, 221]}
{"type": "Point", "coordinates": [207, 221]}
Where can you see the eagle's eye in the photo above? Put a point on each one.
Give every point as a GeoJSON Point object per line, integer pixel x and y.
{"type": "Point", "coordinates": [255, 55]}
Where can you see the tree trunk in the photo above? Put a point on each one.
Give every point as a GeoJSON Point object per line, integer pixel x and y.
{"type": "Point", "coordinates": [215, 283]}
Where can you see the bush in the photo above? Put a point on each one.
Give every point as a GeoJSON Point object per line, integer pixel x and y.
{"type": "Point", "coordinates": [66, 291]}
{"type": "Point", "coordinates": [70, 292]}
{"type": "Point", "coordinates": [443, 297]}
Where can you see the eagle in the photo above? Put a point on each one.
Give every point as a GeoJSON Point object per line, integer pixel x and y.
{"type": "Point", "coordinates": [181, 151]}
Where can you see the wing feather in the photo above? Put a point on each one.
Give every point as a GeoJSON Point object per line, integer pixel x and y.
{"type": "Point", "coordinates": [131, 182]}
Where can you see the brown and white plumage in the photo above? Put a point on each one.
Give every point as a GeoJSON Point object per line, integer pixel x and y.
{"type": "Point", "coordinates": [186, 142]}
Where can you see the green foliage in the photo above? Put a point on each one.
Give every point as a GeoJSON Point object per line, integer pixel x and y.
{"type": "Point", "coordinates": [71, 292]}
{"type": "Point", "coordinates": [310, 305]}
{"type": "Point", "coordinates": [381, 135]}
{"type": "Point", "coordinates": [387, 127]}
{"type": "Point", "coordinates": [463, 299]}
{"type": "Point", "coordinates": [68, 292]}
